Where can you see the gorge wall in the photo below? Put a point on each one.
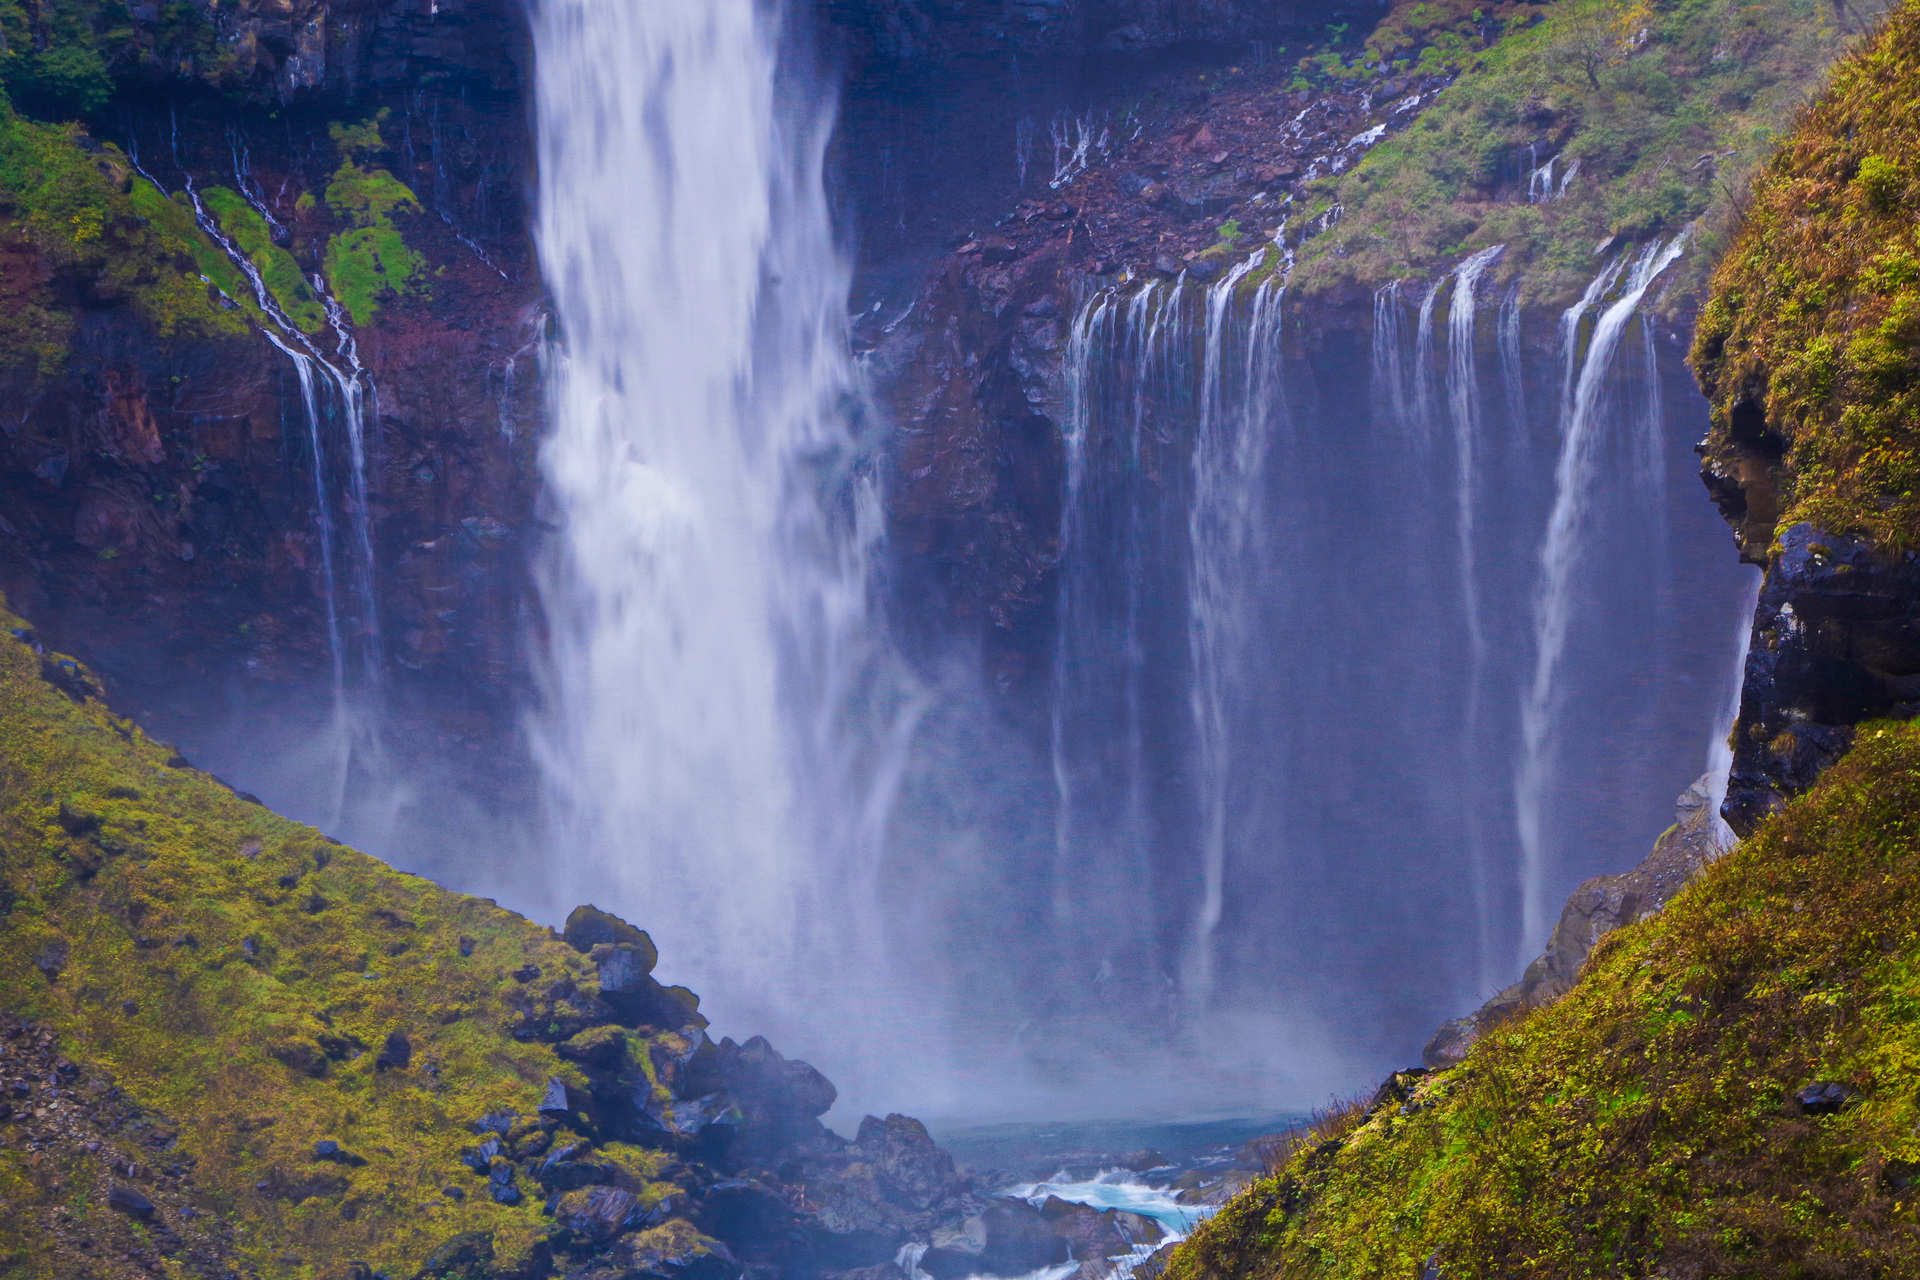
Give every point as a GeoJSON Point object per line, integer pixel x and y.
{"type": "Point", "coordinates": [1118, 559]}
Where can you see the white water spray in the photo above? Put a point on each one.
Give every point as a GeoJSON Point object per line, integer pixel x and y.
{"type": "Point", "coordinates": [1237, 405]}
{"type": "Point", "coordinates": [705, 739]}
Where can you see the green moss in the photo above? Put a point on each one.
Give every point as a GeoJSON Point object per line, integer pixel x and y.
{"type": "Point", "coordinates": [173, 216]}
{"type": "Point", "coordinates": [1643, 1125]}
{"type": "Point", "coordinates": [74, 202]}
{"type": "Point", "coordinates": [370, 260]}
{"type": "Point", "coordinates": [241, 223]}
{"type": "Point", "coordinates": [1667, 107]}
{"type": "Point", "coordinates": [237, 972]}
{"type": "Point", "coordinates": [1814, 314]}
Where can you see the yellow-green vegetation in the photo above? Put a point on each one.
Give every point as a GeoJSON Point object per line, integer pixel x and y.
{"type": "Point", "coordinates": [1667, 106]}
{"type": "Point", "coordinates": [73, 203]}
{"type": "Point", "coordinates": [1646, 1124]}
{"type": "Point", "coordinates": [1814, 317]}
{"type": "Point", "coordinates": [241, 223]}
{"type": "Point", "coordinates": [241, 975]}
{"type": "Point", "coordinates": [1422, 35]}
{"type": "Point", "coordinates": [370, 260]}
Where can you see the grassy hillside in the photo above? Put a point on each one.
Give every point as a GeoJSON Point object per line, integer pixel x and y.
{"type": "Point", "coordinates": [1658, 1121]}
{"type": "Point", "coordinates": [230, 991]}
{"type": "Point", "coordinates": [1666, 106]}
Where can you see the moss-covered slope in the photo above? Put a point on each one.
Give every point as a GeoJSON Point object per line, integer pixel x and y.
{"type": "Point", "coordinates": [1810, 345]}
{"type": "Point", "coordinates": [257, 990]}
{"type": "Point", "coordinates": [1732, 1089]}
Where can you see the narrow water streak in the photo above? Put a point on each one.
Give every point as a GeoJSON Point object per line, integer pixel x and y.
{"type": "Point", "coordinates": [1575, 476]}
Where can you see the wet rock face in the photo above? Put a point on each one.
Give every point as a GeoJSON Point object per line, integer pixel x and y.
{"type": "Point", "coordinates": [974, 376]}
{"type": "Point", "coordinates": [159, 494]}
{"type": "Point", "coordinates": [1836, 641]}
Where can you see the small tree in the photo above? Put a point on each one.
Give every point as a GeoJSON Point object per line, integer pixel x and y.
{"type": "Point", "coordinates": [1602, 36]}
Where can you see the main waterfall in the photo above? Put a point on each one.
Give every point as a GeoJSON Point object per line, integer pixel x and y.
{"type": "Point", "coordinates": [716, 730]}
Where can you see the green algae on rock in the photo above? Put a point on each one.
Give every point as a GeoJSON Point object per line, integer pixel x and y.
{"type": "Point", "coordinates": [1732, 1088]}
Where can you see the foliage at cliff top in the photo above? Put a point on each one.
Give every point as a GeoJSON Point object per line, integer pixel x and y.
{"type": "Point", "coordinates": [371, 259]}
{"type": "Point", "coordinates": [1647, 1124]}
{"type": "Point", "coordinates": [73, 203]}
{"type": "Point", "coordinates": [1665, 106]}
{"type": "Point", "coordinates": [61, 57]}
{"type": "Point", "coordinates": [241, 977]}
{"type": "Point", "coordinates": [1814, 315]}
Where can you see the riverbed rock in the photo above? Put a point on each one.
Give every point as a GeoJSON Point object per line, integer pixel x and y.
{"type": "Point", "coordinates": [904, 1154]}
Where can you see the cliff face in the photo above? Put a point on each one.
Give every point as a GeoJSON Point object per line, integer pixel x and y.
{"type": "Point", "coordinates": [165, 511]}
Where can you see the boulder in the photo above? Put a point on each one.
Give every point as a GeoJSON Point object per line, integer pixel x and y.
{"type": "Point", "coordinates": [1013, 1238]}
{"type": "Point", "coordinates": [780, 1101]}
{"type": "Point", "coordinates": [1823, 1098]}
{"type": "Point", "coordinates": [904, 1155]}
{"type": "Point", "coordinates": [395, 1055]}
{"type": "Point", "coordinates": [1143, 1160]}
{"type": "Point", "coordinates": [589, 926]}
{"type": "Point", "coordinates": [129, 1200]}
{"type": "Point", "coordinates": [597, 1214]}
{"type": "Point", "coordinates": [675, 1250]}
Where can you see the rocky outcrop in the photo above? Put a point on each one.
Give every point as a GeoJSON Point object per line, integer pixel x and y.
{"type": "Point", "coordinates": [1836, 641]}
{"type": "Point", "coordinates": [160, 489]}
{"type": "Point", "coordinates": [1595, 909]}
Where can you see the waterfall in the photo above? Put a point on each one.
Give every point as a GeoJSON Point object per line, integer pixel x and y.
{"type": "Point", "coordinates": [347, 748]}
{"type": "Point", "coordinates": [1575, 476]}
{"type": "Point", "coordinates": [1125, 360]}
{"type": "Point", "coordinates": [716, 741]}
{"type": "Point", "coordinates": [1238, 401]}
{"type": "Point", "coordinates": [1463, 404]}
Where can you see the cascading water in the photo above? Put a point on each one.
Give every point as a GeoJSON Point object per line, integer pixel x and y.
{"type": "Point", "coordinates": [1360, 559]}
{"type": "Point", "coordinates": [1463, 411]}
{"type": "Point", "coordinates": [1240, 400]}
{"type": "Point", "coordinates": [718, 739]}
{"type": "Point", "coordinates": [333, 765]}
{"type": "Point", "coordinates": [1575, 477]}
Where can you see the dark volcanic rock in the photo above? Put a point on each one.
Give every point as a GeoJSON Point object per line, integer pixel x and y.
{"type": "Point", "coordinates": [781, 1101]}
{"type": "Point", "coordinates": [588, 926]}
{"type": "Point", "coordinates": [596, 1215]}
{"type": "Point", "coordinates": [1836, 640]}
